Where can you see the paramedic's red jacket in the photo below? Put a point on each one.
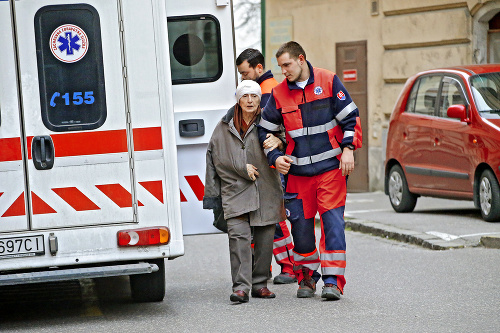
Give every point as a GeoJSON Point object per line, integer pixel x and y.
{"type": "Point", "coordinates": [320, 120]}
{"type": "Point", "coordinates": [267, 82]}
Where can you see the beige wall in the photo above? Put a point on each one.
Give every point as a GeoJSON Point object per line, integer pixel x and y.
{"type": "Point", "coordinates": [403, 38]}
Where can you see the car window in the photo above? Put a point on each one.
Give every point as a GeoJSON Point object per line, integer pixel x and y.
{"type": "Point", "coordinates": [486, 91]}
{"type": "Point", "coordinates": [423, 96]}
{"type": "Point", "coordinates": [451, 94]}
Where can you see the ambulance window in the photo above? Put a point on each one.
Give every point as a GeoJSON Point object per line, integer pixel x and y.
{"type": "Point", "coordinates": [70, 67]}
{"type": "Point", "coordinates": [195, 49]}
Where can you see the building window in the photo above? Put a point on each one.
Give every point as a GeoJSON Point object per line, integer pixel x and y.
{"type": "Point", "coordinates": [494, 39]}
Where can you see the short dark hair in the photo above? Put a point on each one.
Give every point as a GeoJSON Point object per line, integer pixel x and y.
{"type": "Point", "coordinates": [253, 56]}
{"type": "Point", "coordinates": [292, 48]}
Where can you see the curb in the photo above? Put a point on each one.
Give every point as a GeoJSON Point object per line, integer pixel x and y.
{"type": "Point", "coordinates": [408, 236]}
{"type": "Point", "coordinates": [492, 242]}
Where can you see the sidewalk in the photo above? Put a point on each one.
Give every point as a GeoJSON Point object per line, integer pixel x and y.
{"type": "Point", "coordinates": [436, 224]}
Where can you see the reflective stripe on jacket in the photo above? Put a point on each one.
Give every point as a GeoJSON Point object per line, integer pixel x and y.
{"type": "Point", "coordinates": [319, 120]}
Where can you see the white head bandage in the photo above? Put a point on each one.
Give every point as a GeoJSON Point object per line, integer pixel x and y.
{"type": "Point", "coordinates": [247, 87]}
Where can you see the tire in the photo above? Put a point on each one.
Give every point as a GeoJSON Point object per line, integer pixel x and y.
{"type": "Point", "coordinates": [402, 200]}
{"type": "Point", "coordinates": [489, 196]}
{"type": "Point", "coordinates": [149, 287]}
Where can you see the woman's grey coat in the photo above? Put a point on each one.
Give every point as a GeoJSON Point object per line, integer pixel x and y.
{"type": "Point", "coordinates": [227, 182]}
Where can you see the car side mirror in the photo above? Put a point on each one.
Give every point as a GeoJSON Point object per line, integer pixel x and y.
{"type": "Point", "coordinates": [458, 111]}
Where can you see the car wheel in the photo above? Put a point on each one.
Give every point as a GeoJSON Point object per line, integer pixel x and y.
{"type": "Point", "coordinates": [149, 287]}
{"type": "Point", "coordinates": [489, 196]}
{"type": "Point", "coordinates": [402, 200]}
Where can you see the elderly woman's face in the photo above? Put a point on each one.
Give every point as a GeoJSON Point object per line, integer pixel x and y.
{"type": "Point", "coordinates": [249, 102]}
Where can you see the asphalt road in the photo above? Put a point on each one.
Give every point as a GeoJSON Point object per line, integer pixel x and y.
{"type": "Point", "coordinates": [391, 287]}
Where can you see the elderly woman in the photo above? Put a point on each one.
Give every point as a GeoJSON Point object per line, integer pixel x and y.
{"type": "Point", "coordinates": [240, 182]}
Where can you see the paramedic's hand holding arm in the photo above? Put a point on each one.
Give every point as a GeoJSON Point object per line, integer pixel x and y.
{"type": "Point", "coordinates": [283, 164]}
{"type": "Point", "coordinates": [346, 162]}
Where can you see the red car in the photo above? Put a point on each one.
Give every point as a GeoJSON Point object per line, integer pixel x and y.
{"type": "Point", "coordinates": [444, 139]}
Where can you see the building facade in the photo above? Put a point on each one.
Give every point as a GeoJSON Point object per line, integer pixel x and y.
{"type": "Point", "coordinates": [375, 45]}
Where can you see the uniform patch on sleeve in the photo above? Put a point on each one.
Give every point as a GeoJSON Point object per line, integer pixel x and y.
{"type": "Point", "coordinates": [341, 95]}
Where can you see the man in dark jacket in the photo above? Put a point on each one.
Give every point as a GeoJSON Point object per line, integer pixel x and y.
{"type": "Point", "coordinates": [251, 66]}
{"type": "Point", "coordinates": [322, 129]}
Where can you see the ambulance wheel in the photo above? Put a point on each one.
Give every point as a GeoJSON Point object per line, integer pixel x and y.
{"type": "Point", "coordinates": [402, 200]}
{"type": "Point", "coordinates": [149, 287]}
{"type": "Point", "coordinates": [489, 196]}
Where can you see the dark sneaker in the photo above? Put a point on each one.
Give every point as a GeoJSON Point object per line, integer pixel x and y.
{"type": "Point", "coordinates": [239, 296]}
{"type": "Point", "coordinates": [284, 278]}
{"type": "Point", "coordinates": [307, 287]}
{"type": "Point", "coordinates": [330, 292]}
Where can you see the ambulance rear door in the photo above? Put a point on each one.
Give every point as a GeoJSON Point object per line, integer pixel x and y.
{"type": "Point", "coordinates": [74, 112]}
{"type": "Point", "coordinates": [12, 183]}
{"type": "Point", "coordinates": [201, 43]}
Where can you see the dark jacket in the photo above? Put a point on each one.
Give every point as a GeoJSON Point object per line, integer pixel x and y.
{"type": "Point", "coordinates": [319, 120]}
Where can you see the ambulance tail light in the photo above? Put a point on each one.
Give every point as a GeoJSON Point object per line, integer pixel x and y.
{"type": "Point", "coordinates": [144, 236]}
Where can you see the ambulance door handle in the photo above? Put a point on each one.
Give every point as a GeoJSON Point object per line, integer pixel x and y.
{"type": "Point", "coordinates": [42, 151]}
{"type": "Point", "coordinates": [191, 127]}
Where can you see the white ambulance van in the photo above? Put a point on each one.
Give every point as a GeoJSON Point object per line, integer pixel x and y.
{"type": "Point", "coordinates": [98, 101]}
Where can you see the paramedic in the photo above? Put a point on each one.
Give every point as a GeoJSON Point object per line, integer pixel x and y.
{"type": "Point", "coordinates": [239, 180]}
{"type": "Point", "coordinates": [322, 129]}
{"type": "Point", "coordinates": [251, 66]}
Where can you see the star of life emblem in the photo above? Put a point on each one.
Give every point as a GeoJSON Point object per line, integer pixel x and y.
{"type": "Point", "coordinates": [69, 43]}
{"type": "Point", "coordinates": [341, 95]}
{"type": "Point", "coordinates": [318, 90]}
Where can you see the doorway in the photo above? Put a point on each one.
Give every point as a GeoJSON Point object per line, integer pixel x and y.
{"type": "Point", "coordinates": [351, 67]}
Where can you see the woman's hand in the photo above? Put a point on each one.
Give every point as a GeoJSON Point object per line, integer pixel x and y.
{"type": "Point", "coordinates": [272, 142]}
{"type": "Point", "coordinates": [252, 172]}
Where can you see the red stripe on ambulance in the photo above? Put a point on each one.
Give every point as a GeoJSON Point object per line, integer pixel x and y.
{"type": "Point", "coordinates": [196, 185]}
{"type": "Point", "coordinates": [118, 194]}
{"type": "Point", "coordinates": [75, 198]}
{"type": "Point", "coordinates": [11, 149]}
{"type": "Point", "coordinates": [154, 187]}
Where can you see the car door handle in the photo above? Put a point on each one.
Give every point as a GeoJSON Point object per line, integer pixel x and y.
{"type": "Point", "coordinates": [42, 151]}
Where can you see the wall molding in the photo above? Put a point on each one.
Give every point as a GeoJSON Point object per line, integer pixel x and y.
{"type": "Point", "coordinates": [395, 81]}
{"type": "Point", "coordinates": [445, 42]}
{"type": "Point", "coordinates": [425, 9]}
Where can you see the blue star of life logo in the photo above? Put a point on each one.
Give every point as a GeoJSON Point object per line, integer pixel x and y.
{"type": "Point", "coordinates": [68, 43]}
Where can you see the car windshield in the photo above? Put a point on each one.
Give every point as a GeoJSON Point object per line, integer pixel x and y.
{"type": "Point", "coordinates": [486, 91]}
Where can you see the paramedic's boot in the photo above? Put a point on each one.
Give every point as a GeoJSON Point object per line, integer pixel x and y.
{"type": "Point", "coordinates": [284, 278]}
{"type": "Point", "coordinates": [307, 287]}
{"type": "Point", "coordinates": [330, 292]}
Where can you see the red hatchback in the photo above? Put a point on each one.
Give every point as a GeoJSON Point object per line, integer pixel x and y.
{"type": "Point", "coordinates": [444, 139]}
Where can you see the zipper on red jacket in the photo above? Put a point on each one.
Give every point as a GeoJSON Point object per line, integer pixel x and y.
{"type": "Point", "coordinates": [304, 101]}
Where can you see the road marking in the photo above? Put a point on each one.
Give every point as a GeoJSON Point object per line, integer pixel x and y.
{"type": "Point", "coordinates": [442, 235]}
{"type": "Point", "coordinates": [449, 237]}
{"type": "Point", "coordinates": [367, 211]}
{"type": "Point", "coordinates": [359, 200]}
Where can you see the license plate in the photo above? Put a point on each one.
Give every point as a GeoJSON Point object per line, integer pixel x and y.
{"type": "Point", "coordinates": [28, 246]}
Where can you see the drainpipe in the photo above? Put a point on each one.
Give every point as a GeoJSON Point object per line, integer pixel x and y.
{"type": "Point", "coordinates": [263, 26]}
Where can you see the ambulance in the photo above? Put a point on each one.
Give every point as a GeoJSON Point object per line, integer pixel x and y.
{"type": "Point", "coordinates": [106, 109]}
